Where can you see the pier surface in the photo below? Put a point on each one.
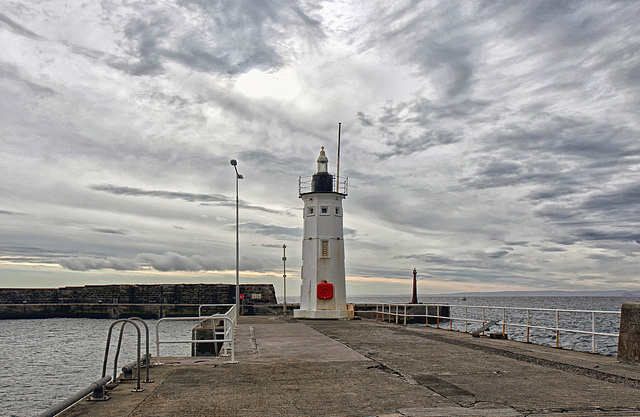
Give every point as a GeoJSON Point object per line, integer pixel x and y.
{"type": "Point", "coordinates": [291, 367]}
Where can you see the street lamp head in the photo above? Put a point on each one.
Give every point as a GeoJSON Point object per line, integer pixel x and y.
{"type": "Point", "coordinates": [233, 162]}
{"type": "Point", "coordinates": [240, 176]}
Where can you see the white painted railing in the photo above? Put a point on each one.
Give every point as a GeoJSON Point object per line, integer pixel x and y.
{"type": "Point", "coordinates": [229, 319]}
{"type": "Point", "coordinates": [546, 319]}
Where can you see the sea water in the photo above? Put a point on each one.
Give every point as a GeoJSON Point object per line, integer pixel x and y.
{"type": "Point", "coordinates": [44, 361]}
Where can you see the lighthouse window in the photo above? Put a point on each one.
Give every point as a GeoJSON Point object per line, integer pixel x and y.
{"type": "Point", "coordinates": [325, 249]}
{"type": "Point", "coordinates": [337, 211]}
{"type": "Point", "coordinates": [309, 211]}
{"type": "Point", "coordinates": [324, 210]}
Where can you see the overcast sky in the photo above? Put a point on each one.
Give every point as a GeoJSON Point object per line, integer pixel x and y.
{"type": "Point", "coordinates": [490, 145]}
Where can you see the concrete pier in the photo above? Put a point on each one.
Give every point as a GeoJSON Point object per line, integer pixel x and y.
{"type": "Point", "coordinates": [290, 367]}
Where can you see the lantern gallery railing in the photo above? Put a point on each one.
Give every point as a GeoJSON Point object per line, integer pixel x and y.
{"type": "Point", "coordinates": [340, 185]}
{"type": "Point", "coordinates": [533, 325]}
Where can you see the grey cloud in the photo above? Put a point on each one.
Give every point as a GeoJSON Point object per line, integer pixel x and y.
{"type": "Point", "coordinates": [272, 245]}
{"type": "Point", "coordinates": [111, 231]}
{"type": "Point", "coordinates": [282, 231]}
{"type": "Point", "coordinates": [11, 213]}
{"type": "Point", "coordinates": [347, 231]}
{"type": "Point", "coordinates": [627, 197]}
{"type": "Point", "coordinates": [405, 144]}
{"type": "Point", "coordinates": [170, 261]}
{"type": "Point", "coordinates": [247, 206]}
{"type": "Point", "coordinates": [497, 254]}
{"type": "Point", "coordinates": [570, 137]}
{"type": "Point", "coordinates": [558, 155]}
{"type": "Point", "coordinates": [605, 258]}
{"type": "Point", "coordinates": [553, 191]}
{"type": "Point", "coordinates": [426, 110]}
{"type": "Point", "coordinates": [203, 199]}
{"type": "Point", "coordinates": [605, 234]}
{"type": "Point", "coordinates": [561, 23]}
{"type": "Point", "coordinates": [415, 126]}
{"type": "Point", "coordinates": [364, 119]}
{"type": "Point", "coordinates": [479, 266]}
{"type": "Point", "coordinates": [11, 25]}
{"type": "Point", "coordinates": [11, 73]}
{"type": "Point", "coordinates": [426, 257]}
{"type": "Point", "coordinates": [598, 216]}
{"type": "Point", "coordinates": [305, 17]}
{"type": "Point", "coordinates": [85, 263]}
{"type": "Point", "coordinates": [554, 249]}
{"type": "Point", "coordinates": [230, 37]}
{"type": "Point", "coordinates": [437, 39]}
{"type": "Point", "coordinates": [272, 230]}
{"type": "Point", "coordinates": [516, 243]}
{"type": "Point", "coordinates": [137, 192]}
{"type": "Point", "coordinates": [451, 55]}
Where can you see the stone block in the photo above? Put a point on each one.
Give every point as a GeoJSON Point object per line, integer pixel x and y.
{"type": "Point", "coordinates": [629, 338]}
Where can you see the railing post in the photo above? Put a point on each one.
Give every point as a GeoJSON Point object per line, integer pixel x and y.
{"type": "Point", "coordinates": [557, 328]}
{"type": "Point", "coordinates": [466, 317]}
{"type": "Point", "coordinates": [396, 313]}
{"type": "Point", "coordinates": [504, 320]}
{"type": "Point", "coordinates": [528, 324]}
{"type": "Point", "coordinates": [438, 316]}
{"type": "Point", "coordinates": [233, 346]}
{"type": "Point", "coordinates": [405, 314]}
{"type": "Point", "coordinates": [593, 332]}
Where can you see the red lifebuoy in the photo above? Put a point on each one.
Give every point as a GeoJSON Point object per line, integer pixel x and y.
{"type": "Point", "coordinates": [325, 291]}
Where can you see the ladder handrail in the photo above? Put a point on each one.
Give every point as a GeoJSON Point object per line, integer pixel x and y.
{"type": "Point", "coordinates": [106, 351]}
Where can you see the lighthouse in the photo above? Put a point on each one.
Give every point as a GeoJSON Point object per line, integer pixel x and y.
{"type": "Point", "coordinates": [323, 292]}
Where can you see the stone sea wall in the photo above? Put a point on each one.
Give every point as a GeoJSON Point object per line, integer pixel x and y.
{"type": "Point", "coordinates": [114, 301]}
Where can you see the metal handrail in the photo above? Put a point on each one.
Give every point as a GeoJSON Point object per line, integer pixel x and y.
{"type": "Point", "coordinates": [232, 313]}
{"type": "Point", "coordinates": [147, 357]}
{"type": "Point", "coordinates": [229, 311]}
{"type": "Point", "coordinates": [97, 388]}
{"type": "Point", "coordinates": [115, 364]}
{"type": "Point", "coordinates": [385, 312]}
{"type": "Point", "coordinates": [228, 340]}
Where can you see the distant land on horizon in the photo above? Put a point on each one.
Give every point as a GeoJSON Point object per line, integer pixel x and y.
{"type": "Point", "coordinates": [548, 293]}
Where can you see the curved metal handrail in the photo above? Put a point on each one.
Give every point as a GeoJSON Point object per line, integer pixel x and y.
{"type": "Point", "coordinates": [106, 351]}
{"type": "Point", "coordinates": [148, 356]}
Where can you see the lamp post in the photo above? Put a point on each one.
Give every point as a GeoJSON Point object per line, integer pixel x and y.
{"type": "Point", "coordinates": [284, 278]}
{"type": "Point", "coordinates": [238, 177]}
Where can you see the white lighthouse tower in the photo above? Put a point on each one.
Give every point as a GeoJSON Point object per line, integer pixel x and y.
{"type": "Point", "coordinates": [323, 293]}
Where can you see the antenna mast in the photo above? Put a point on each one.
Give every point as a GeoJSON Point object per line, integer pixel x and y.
{"type": "Point", "coordinates": [338, 164]}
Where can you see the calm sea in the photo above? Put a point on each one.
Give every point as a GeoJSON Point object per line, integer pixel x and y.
{"type": "Point", "coordinates": [47, 360]}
